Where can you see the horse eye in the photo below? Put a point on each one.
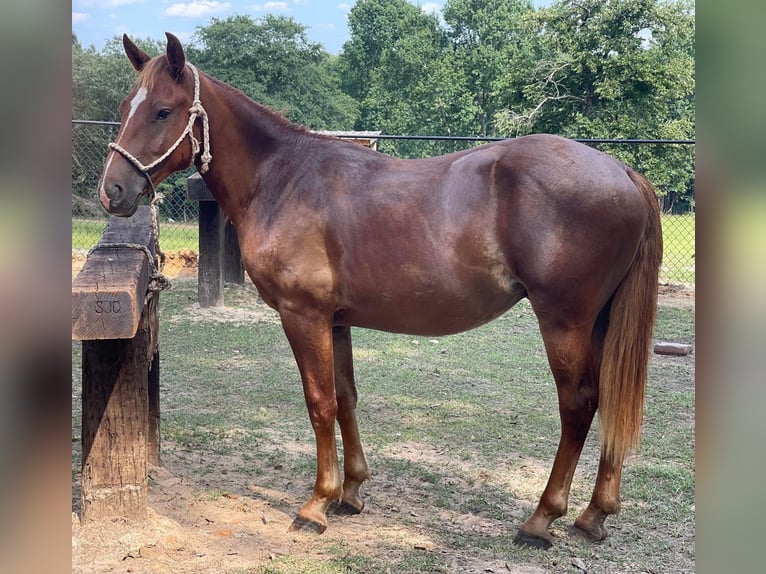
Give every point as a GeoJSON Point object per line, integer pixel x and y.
{"type": "Point", "coordinates": [163, 114]}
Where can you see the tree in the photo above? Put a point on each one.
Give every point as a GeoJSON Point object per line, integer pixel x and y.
{"type": "Point", "coordinates": [412, 75]}
{"type": "Point", "coordinates": [617, 69]}
{"type": "Point", "coordinates": [492, 51]}
{"type": "Point", "coordinates": [374, 26]}
{"type": "Point", "coordinates": [273, 62]}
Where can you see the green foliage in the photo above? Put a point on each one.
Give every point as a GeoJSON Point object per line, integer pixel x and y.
{"type": "Point", "coordinates": [619, 69]}
{"type": "Point", "coordinates": [491, 51]}
{"type": "Point", "coordinates": [273, 62]}
{"type": "Point", "coordinates": [393, 66]}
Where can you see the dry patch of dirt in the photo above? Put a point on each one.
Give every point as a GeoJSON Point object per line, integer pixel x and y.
{"type": "Point", "coordinates": [189, 530]}
{"type": "Point", "coordinates": [185, 532]}
{"type": "Point", "coordinates": [178, 264]}
{"type": "Point", "coordinates": [676, 295]}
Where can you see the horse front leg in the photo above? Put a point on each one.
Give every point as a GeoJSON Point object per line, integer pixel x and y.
{"type": "Point", "coordinates": [310, 335]}
{"type": "Point", "coordinates": [355, 469]}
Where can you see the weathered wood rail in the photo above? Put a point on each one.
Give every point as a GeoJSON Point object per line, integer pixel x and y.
{"type": "Point", "coordinates": [114, 314]}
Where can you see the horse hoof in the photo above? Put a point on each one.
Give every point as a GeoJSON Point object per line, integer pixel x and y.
{"type": "Point", "coordinates": [524, 539]}
{"type": "Point", "coordinates": [301, 524]}
{"type": "Point", "coordinates": [345, 508]}
{"type": "Point", "coordinates": [592, 533]}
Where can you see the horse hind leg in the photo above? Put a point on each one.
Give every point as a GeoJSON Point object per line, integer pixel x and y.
{"type": "Point", "coordinates": [605, 499]}
{"type": "Point", "coordinates": [571, 358]}
{"type": "Point", "coordinates": [355, 469]}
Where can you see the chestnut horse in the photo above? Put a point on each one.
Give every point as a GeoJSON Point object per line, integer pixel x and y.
{"type": "Point", "coordinates": [336, 235]}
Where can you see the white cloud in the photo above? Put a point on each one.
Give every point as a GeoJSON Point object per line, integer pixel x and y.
{"type": "Point", "coordinates": [344, 6]}
{"type": "Point", "coordinates": [78, 17]}
{"type": "Point", "coordinates": [271, 7]}
{"type": "Point", "coordinates": [197, 8]}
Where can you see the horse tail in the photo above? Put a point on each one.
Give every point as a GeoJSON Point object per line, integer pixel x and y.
{"type": "Point", "coordinates": [628, 338]}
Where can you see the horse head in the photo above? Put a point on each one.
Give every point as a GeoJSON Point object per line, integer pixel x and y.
{"type": "Point", "coordinates": [155, 119]}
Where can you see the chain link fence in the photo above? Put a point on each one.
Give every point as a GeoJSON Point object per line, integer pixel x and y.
{"type": "Point", "coordinates": [179, 215]}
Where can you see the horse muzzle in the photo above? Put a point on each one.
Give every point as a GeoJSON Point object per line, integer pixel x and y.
{"type": "Point", "coordinates": [117, 200]}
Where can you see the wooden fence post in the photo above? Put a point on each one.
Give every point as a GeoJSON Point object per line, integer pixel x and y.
{"type": "Point", "coordinates": [116, 318]}
{"type": "Point", "coordinates": [212, 244]}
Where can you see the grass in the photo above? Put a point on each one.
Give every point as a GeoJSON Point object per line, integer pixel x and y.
{"type": "Point", "coordinates": [460, 433]}
{"type": "Point", "coordinates": [173, 236]}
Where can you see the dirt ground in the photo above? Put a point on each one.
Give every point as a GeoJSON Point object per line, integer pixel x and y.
{"type": "Point", "coordinates": [181, 263]}
{"type": "Point", "coordinates": [190, 531]}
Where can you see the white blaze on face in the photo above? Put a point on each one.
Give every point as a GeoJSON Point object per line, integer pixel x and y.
{"type": "Point", "coordinates": [137, 100]}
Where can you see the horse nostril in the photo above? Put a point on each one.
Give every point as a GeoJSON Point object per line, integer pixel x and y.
{"type": "Point", "coordinates": [116, 195]}
{"type": "Point", "coordinates": [111, 196]}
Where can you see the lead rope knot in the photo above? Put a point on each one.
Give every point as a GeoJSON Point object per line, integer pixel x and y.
{"type": "Point", "coordinates": [198, 111]}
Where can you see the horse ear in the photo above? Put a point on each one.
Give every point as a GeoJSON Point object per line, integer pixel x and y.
{"type": "Point", "coordinates": [135, 54]}
{"type": "Point", "coordinates": [176, 57]}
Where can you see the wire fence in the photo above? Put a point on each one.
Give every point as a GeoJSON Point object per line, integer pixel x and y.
{"type": "Point", "coordinates": [179, 215]}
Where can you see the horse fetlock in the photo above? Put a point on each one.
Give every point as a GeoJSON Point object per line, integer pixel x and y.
{"type": "Point", "coordinates": [348, 506]}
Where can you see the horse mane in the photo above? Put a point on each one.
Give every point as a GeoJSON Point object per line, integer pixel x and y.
{"type": "Point", "coordinates": [276, 119]}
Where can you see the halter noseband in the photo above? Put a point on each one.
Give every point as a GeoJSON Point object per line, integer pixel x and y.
{"type": "Point", "coordinates": [196, 110]}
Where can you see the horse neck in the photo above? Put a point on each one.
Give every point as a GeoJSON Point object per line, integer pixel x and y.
{"type": "Point", "coordinates": [243, 135]}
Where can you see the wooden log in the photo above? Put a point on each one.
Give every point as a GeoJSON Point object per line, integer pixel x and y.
{"type": "Point", "coordinates": [108, 293]}
{"type": "Point", "coordinates": [153, 434]}
{"type": "Point", "coordinates": [153, 384]}
{"type": "Point", "coordinates": [196, 189]}
{"type": "Point", "coordinates": [115, 406]}
{"type": "Point", "coordinates": [680, 349]}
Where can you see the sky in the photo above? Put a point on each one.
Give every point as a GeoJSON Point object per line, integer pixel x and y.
{"type": "Point", "coordinates": [97, 21]}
